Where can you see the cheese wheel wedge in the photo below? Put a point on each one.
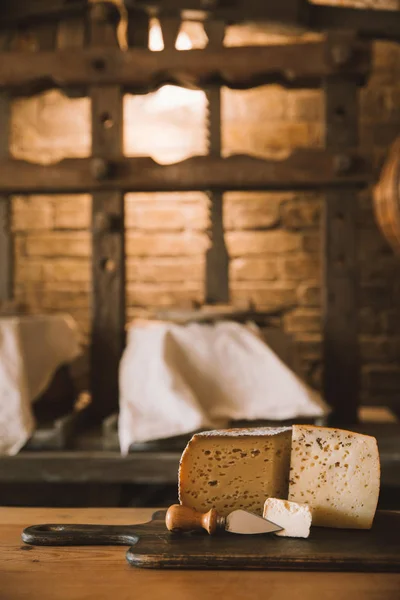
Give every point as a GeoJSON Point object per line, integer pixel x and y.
{"type": "Point", "coordinates": [337, 473]}
{"type": "Point", "coordinates": [293, 517]}
{"type": "Point", "coordinates": [235, 468]}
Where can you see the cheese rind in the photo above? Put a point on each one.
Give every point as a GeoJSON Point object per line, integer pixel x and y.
{"type": "Point", "coordinates": [235, 468]}
{"type": "Point", "coordinates": [295, 518]}
{"type": "Point", "coordinates": [337, 473]}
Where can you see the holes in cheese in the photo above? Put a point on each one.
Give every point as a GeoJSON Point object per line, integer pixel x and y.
{"type": "Point", "coordinates": [293, 517]}
{"type": "Point", "coordinates": [337, 473]}
{"type": "Point", "coordinates": [235, 468]}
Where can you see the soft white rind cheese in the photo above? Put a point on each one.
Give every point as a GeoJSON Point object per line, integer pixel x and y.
{"type": "Point", "coordinates": [235, 468]}
{"type": "Point", "coordinates": [293, 517]}
{"type": "Point", "coordinates": [337, 473]}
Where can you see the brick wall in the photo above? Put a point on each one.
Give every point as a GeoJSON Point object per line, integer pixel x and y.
{"type": "Point", "coordinates": [273, 238]}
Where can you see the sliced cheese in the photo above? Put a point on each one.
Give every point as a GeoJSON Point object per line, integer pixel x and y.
{"type": "Point", "coordinates": [293, 517]}
{"type": "Point", "coordinates": [337, 473]}
{"type": "Point", "coordinates": [235, 468]}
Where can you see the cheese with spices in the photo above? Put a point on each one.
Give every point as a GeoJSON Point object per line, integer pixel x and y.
{"type": "Point", "coordinates": [337, 473]}
{"type": "Point", "coordinates": [295, 518]}
{"type": "Point", "coordinates": [235, 468]}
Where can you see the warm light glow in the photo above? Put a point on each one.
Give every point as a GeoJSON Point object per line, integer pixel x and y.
{"type": "Point", "coordinates": [156, 42]}
{"type": "Point", "coordinates": [170, 96]}
{"type": "Point", "coordinates": [183, 42]}
{"type": "Point", "coordinates": [155, 38]}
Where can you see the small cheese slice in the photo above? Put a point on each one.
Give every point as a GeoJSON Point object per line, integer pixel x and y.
{"type": "Point", "coordinates": [293, 517]}
{"type": "Point", "coordinates": [337, 473]}
{"type": "Point", "coordinates": [235, 468]}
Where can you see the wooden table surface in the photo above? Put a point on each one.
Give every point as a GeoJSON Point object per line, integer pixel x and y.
{"type": "Point", "coordinates": [95, 573]}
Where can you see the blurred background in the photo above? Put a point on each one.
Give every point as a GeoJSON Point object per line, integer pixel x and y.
{"type": "Point", "coordinates": [273, 241]}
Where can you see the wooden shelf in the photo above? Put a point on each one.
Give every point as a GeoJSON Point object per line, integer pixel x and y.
{"type": "Point", "coordinates": [90, 467]}
{"type": "Point", "coordinates": [155, 467]}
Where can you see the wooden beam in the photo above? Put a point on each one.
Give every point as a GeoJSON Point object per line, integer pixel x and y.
{"type": "Point", "coordinates": [108, 231]}
{"type": "Point", "coordinates": [369, 24]}
{"type": "Point", "coordinates": [340, 275]}
{"type": "Point", "coordinates": [138, 29]}
{"type": "Point", "coordinates": [141, 70]}
{"type": "Point", "coordinates": [303, 169]}
{"type": "Point", "coordinates": [100, 466]}
{"type": "Point", "coordinates": [90, 467]}
{"type": "Point", "coordinates": [71, 35]}
{"type": "Point", "coordinates": [6, 243]}
{"type": "Point", "coordinates": [291, 15]}
{"type": "Point", "coordinates": [27, 12]}
{"type": "Point", "coordinates": [6, 246]}
{"type": "Point", "coordinates": [217, 259]}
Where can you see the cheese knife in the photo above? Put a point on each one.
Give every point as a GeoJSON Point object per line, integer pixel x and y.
{"type": "Point", "coordinates": [177, 519]}
{"type": "Point", "coordinates": [182, 518]}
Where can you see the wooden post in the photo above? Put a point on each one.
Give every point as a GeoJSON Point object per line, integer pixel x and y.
{"type": "Point", "coordinates": [138, 29]}
{"type": "Point", "coordinates": [217, 260]}
{"type": "Point", "coordinates": [340, 277]}
{"type": "Point", "coordinates": [6, 249]}
{"type": "Point", "coordinates": [72, 34]}
{"type": "Point", "coordinates": [108, 247]}
{"type": "Point", "coordinates": [6, 245]}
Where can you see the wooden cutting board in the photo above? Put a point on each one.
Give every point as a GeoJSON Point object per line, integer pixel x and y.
{"type": "Point", "coordinates": [377, 549]}
{"type": "Point", "coordinates": [152, 546]}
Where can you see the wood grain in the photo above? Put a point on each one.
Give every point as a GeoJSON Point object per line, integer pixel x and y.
{"type": "Point", "coordinates": [326, 549]}
{"type": "Point", "coordinates": [108, 230]}
{"type": "Point", "coordinates": [103, 573]}
{"type": "Point", "coordinates": [372, 23]}
{"type": "Point", "coordinates": [71, 35]}
{"type": "Point", "coordinates": [6, 249]}
{"type": "Point", "coordinates": [140, 70]}
{"type": "Point", "coordinates": [138, 29]}
{"type": "Point", "coordinates": [340, 279]}
{"type": "Point", "coordinates": [90, 467]}
{"type": "Point", "coordinates": [302, 169]}
{"type": "Point", "coordinates": [182, 518]}
{"type": "Point", "coordinates": [154, 547]}
{"type": "Point", "coordinates": [157, 462]}
{"type": "Point", "coordinates": [216, 284]}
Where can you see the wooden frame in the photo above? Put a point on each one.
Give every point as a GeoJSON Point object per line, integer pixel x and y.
{"type": "Point", "coordinates": [140, 70]}
{"type": "Point", "coordinates": [303, 169]}
{"type": "Point", "coordinates": [338, 64]}
{"type": "Point", "coordinates": [340, 282]}
{"type": "Point", "coordinates": [151, 466]}
{"type": "Point", "coordinates": [6, 254]}
{"type": "Point", "coordinates": [108, 236]}
{"type": "Point", "coordinates": [369, 23]}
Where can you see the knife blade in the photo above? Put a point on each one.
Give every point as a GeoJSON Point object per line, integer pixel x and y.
{"type": "Point", "coordinates": [181, 518]}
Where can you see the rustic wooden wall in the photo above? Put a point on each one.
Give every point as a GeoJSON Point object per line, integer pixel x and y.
{"type": "Point", "coordinates": [273, 238]}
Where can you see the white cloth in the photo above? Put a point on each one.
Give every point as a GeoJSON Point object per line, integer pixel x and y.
{"type": "Point", "coordinates": [176, 379]}
{"type": "Point", "coordinates": [32, 347]}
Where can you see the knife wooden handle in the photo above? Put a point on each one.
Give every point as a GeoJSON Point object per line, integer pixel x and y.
{"type": "Point", "coordinates": [183, 518]}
